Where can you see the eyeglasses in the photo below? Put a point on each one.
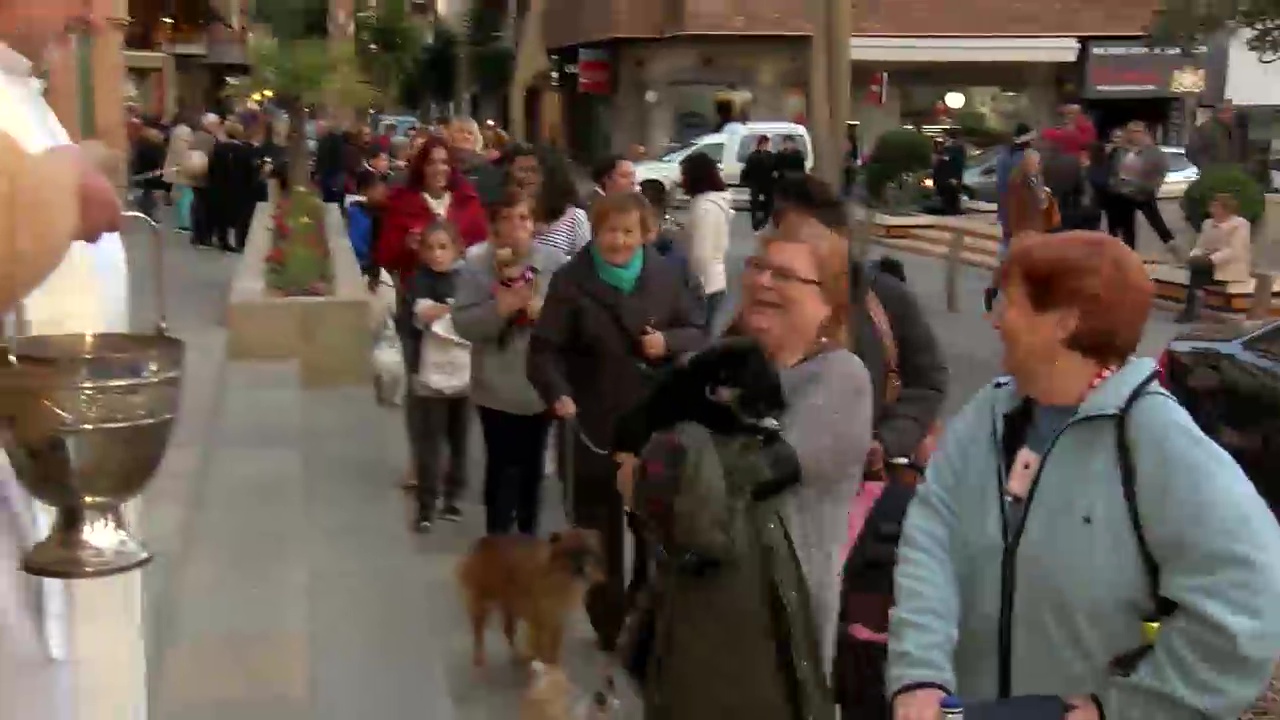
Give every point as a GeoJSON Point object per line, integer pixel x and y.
{"type": "Point", "coordinates": [757, 265]}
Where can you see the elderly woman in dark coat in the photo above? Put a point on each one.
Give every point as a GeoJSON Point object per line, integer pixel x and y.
{"type": "Point", "coordinates": [614, 315]}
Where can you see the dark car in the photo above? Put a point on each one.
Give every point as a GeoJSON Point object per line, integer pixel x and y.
{"type": "Point", "coordinates": [1228, 378]}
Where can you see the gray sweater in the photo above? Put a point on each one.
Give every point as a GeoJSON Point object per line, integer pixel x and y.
{"type": "Point", "coordinates": [498, 358]}
{"type": "Point", "coordinates": [828, 422]}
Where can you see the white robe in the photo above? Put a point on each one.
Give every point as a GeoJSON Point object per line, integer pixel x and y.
{"type": "Point", "coordinates": [88, 292]}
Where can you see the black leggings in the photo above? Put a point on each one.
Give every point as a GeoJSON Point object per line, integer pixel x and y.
{"type": "Point", "coordinates": [514, 449]}
{"type": "Point", "coordinates": [438, 426]}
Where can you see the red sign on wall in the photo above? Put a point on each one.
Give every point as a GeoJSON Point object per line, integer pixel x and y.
{"type": "Point", "coordinates": [595, 72]}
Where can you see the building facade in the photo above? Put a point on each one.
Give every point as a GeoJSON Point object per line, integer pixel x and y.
{"type": "Point", "coordinates": [923, 63]}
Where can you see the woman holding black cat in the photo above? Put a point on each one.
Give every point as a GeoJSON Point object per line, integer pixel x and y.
{"type": "Point", "coordinates": [753, 636]}
{"type": "Point", "coordinates": [615, 314]}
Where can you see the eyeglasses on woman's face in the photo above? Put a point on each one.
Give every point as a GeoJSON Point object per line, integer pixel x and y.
{"type": "Point", "coordinates": [759, 267]}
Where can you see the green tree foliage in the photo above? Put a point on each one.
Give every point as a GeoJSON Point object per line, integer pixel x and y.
{"type": "Point", "coordinates": [1224, 179]}
{"type": "Point", "coordinates": [388, 46]}
{"type": "Point", "coordinates": [897, 156]}
{"type": "Point", "coordinates": [1191, 22]}
{"type": "Point", "coordinates": [490, 55]}
{"type": "Point", "coordinates": [435, 71]}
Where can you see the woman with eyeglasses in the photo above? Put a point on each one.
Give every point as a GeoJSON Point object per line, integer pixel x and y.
{"type": "Point", "coordinates": [756, 637]}
{"type": "Point", "coordinates": [1078, 537]}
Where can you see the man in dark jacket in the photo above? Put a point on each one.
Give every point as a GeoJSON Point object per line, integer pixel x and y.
{"type": "Point", "coordinates": [948, 171]}
{"type": "Point", "coordinates": [758, 174]}
{"type": "Point", "coordinates": [1218, 140]}
{"type": "Point", "coordinates": [330, 152]}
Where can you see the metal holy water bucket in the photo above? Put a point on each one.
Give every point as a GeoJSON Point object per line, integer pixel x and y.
{"type": "Point", "coordinates": [85, 420]}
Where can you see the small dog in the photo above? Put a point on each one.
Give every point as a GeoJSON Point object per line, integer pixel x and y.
{"type": "Point", "coordinates": [532, 581]}
{"type": "Point", "coordinates": [550, 695]}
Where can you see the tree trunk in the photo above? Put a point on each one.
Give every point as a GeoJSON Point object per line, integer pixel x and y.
{"type": "Point", "coordinates": [299, 158]}
{"type": "Point", "coordinates": [462, 85]}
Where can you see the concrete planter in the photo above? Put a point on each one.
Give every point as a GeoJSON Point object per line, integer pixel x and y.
{"type": "Point", "coordinates": [328, 336]}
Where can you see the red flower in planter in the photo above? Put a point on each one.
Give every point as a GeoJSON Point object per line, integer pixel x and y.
{"type": "Point", "coordinates": [276, 256]}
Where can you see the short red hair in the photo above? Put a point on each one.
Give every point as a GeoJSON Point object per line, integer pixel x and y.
{"type": "Point", "coordinates": [1093, 273]}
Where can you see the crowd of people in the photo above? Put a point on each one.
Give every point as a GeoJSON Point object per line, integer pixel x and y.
{"type": "Point", "coordinates": [848, 583]}
{"type": "Point", "coordinates": [213, 171]}
{"type": "Point", "coordinates": [814, 541]}
{"type": "Point", "coordinates": [1066, 178]}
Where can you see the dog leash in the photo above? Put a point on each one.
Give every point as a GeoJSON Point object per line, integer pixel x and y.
{"type": "Point", "coordinates": [571, 429]}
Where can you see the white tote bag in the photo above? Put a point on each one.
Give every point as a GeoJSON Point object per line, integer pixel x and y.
{"type": "Point", "coordinates": [445, 364]}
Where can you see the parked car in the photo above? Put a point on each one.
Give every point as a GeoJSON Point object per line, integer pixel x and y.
{"type": "Point", "coordinates": [730, 148]}
{"type": "Point", "coordinates": [979, 181]}
{"type": "Point", "coordinates": [1227, 376]}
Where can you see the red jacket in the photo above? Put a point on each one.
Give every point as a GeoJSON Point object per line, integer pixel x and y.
{"type": "Point", "coordinates": [406, 209]}
{"type": "Point", "coordinates": [1074, 139]}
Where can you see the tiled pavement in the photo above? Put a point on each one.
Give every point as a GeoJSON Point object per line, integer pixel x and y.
{"type": "Point", "coordinates": [287, 584]}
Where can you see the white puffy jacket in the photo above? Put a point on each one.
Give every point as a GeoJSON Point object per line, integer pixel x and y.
{"type": "Point", "coordinates": [709, 216]}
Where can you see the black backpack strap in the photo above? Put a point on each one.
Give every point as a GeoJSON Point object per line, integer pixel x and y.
{"type": "Point", "coordinates": [1164, 607]}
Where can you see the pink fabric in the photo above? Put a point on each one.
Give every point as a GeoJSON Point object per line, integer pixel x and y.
{"type": "Point", "coordinates": [866, 499]}
{"type": "Point", "coordinates": [866, 634]}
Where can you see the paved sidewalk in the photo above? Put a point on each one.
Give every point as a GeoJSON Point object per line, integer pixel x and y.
{"type": "Point", "coordinates": [287, 584]}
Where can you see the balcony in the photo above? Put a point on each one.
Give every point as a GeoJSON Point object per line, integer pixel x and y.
{"type": "Point", "coordinates": [227, 46]}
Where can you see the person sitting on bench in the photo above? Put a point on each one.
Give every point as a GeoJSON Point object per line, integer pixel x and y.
{"type": "Point", "coordinates": [1222, 253]}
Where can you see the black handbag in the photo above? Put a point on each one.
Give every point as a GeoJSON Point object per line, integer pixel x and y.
{"type": "Point", "coordinates": [1023, 707]}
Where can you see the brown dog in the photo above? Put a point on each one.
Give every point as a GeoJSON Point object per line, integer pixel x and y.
{"type": "Point", "coordinates": [530, 580]}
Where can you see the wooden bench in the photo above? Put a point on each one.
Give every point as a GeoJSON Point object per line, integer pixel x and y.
{"type": "Point", "coordinates": [1234, 298]}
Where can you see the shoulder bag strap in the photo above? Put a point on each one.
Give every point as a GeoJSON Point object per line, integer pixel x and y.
{"type": "Point", "coordinates": [880, 318]}
{"type": "Point", "coordinates": [1128, 483]}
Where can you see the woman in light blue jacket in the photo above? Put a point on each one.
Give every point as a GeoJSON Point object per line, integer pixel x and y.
{"type": "Point", "coordinates": [996, 598]}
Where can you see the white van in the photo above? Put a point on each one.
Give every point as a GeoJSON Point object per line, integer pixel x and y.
{"type": "Point", "coordinates": [730, 148]}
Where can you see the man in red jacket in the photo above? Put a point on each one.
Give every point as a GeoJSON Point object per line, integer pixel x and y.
{"type": "Point", "coordinates": [1075, 134]}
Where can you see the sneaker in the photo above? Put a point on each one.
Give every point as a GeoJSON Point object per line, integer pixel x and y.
{"type": "Point", "coordinates": [423, 525]}
{"type": "Point", "coordinates": [451, 513]}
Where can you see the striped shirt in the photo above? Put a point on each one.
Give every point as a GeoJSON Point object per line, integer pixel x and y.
{"type": "Point", "coordinates": [569, 234]}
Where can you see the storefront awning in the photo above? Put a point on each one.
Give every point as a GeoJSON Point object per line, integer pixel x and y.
{"type": "Point", "coordinates": [964, 49]}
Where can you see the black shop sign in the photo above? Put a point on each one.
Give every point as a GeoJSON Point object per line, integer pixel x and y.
{"type": "Point", "coordinates": [1133, 69]}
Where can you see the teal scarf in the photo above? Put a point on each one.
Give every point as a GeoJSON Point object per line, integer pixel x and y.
{"type": "Point", "coordinates": [622, 277]}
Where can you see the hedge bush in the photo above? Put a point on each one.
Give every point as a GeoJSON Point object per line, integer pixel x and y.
{"type": "Point", "coordinates": [1229, 179]}
{"type": "Point", "coordinates": [897, 154]}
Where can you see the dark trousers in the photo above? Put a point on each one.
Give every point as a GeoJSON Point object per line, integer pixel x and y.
{"type": "Point", "coordinates": [1125, 216]}
{"type": "Point", "coordinates": [201, 217]}
{"type": "Point", "coordinates": [949, 197]}
{"type": "Point", "coordinates": [761, 209]}
{"type": "Point", "coordinates": [712, 302]}
{"type": "Point", "coordinates": [147, 202]}
{"type": "Point", "coordinates": [598, 506]}
{"type": "Point", "coordinates": [438, 426]}
{"type": "Point", "coordinates": [514, 450]}
{"type": "Point", "coordinates": [1200, 269]}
